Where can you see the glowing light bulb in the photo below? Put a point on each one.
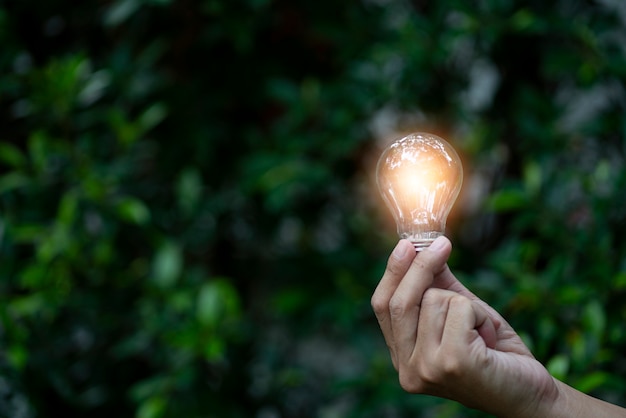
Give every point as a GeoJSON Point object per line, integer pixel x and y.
{"type": "Point", "coordinates": [419, 177]}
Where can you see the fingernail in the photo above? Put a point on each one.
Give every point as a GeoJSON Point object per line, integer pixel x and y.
{"type": "Point", "coordinates": [437, 244]}
{"type": "Point", "coordinates": [401, 250]}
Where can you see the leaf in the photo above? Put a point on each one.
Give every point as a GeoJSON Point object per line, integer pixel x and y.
{"type": "Point", "coordinates": [592, 381]}
{"type": "Point", "coordinates": [558, 366]}
{"type": "Point", "coordinates": [594, 318]}
{"type": "Point", "coordinates": [214, 349]}
{"type": "Point", "coordinates": [147, 388]}
{"type": "Point", "coordinates": [189, 189]}
{"type": "Point", "coordinates": [68, 208]}
{"type": "Point", "coordinates": [11, 155]}
{"type": "Point", "coordinates": [152, 116]}
{"type": "Point", "coordinates": [125, 131]}
{"type": "Point", "coordinates": [620, 280]}
{"type": "Point", "coordinates": [289, 301]}
{"type": "Point", "coordinates": [33, 276]}
{"type": "Point", "coordinates": [95, 87]}
{"type": "Point", "coordinates": [54, 243]}
{"type": "Point", "coordinates": [133, 210]}
{"type": "Point", "coordinates": [167, 265]}
{"type": "Point", "coordinates": [217, 300]}
{"type": "Point", "coordinates": [27, 305]}
{"type": "Point", "coordinates": [523, 20]}
{"type": "Point", "coordinates": [17, 355]}
{"type": "Point", "coordinates": [153, 407]}
{"type": "Point", "coordinates": [121, 11]}
{"type": "Point", "coordinates": [12, 181]}
{"type": "Point", "coordinates": [28, 233]}
{"type": "Point", "coordinates": [37, 150]}
{"type": "Point", "coordinates": [507, 200]}
{"type": "Point", "coordinates": [532, 178]}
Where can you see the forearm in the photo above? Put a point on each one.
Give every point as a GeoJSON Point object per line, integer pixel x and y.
{"type": "Point", "coordinates": [572, 403]}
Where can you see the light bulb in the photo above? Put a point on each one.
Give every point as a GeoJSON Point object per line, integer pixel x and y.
{"type": "Point", "coordinates": [419, 177]}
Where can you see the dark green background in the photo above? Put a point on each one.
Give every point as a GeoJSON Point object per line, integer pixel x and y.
{"type": "Point", "coordinates": [188, 221]}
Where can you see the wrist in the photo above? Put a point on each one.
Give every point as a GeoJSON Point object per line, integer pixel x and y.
{"type": "Point", "coordinates": [557, 404]}
{"type": "Point", "coordinates": [545, 402]}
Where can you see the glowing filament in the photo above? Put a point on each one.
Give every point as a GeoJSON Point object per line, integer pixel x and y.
{"type": "Point", "coordinates": [419, 177]}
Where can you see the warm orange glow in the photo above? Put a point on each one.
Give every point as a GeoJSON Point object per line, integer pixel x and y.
{"type": "Point", "coordinates": [420, 177]}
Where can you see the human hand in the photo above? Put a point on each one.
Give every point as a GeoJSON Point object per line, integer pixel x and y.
{"type": "Point", "coordinates": [444, 341]}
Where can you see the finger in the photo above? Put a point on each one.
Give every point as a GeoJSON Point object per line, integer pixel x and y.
{"type": "Point", "coordinates": [404, 306]}
{"type": "Point", "coordinates": [432, 318]}
{"type": "Point", "coordinates": [465, 322]}
{"type": "Point", "coordinates": [446, 280]}
{"type": "Point", "coordinates": [397, 266]}
{"type": "Point", "coordinates": [485, 326]}
{"type": "Point", "coordinates": [507, 339]}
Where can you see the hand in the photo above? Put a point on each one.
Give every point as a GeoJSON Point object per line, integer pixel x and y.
{"type": "Point", "coordinates": [446, 342]}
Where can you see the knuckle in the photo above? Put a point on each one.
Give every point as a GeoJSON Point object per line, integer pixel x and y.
{"type": "Point", "coordinates": [451, 366]}
{"type": "Point", "coordinates": [429, 373]}
{"type": "Point", "coordinates": [395, 267]}
{"type": "Point", "coordinates": [432, 296]}
{"type": "Point", "coordinates": [410, 383]}
{"type": "Point", "coordinates": [397, 306]}
{"type": "Point", "coordinates": [460, 302]}
{"type": "Point", "coordinates": [379, 304]}
{"type": "Point", "coordinates": [421, 376]}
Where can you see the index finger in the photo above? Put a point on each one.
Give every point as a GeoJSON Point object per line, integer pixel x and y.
{"type": "Point", "coordinates": [397, 266]}
{"type": "Point", "coordinates": [405, 303]}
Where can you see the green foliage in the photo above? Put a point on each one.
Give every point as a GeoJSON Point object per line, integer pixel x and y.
{"type": "Point", "coordinates": [188, 224]}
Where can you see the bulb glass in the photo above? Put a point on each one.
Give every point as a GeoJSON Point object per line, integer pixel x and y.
{"type": "Point", "coordinates": [420, 177]}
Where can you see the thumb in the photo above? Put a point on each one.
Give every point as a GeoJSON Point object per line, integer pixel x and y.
{"type": "Point", "coordinates": [436, 255]}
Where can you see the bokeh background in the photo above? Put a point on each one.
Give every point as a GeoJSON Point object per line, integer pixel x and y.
{"type": "Point", "coordinates": [189, 225]}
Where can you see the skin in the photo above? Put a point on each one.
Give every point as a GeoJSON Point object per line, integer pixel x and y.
{"type": "Point", "coordinates": [446, 342]}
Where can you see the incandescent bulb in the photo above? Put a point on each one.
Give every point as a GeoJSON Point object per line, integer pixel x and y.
{"type": "Point", "coordinates": [419, 177]}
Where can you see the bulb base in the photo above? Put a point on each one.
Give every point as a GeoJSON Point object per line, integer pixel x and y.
{"type": "Point", "coordinates": [422, 244]}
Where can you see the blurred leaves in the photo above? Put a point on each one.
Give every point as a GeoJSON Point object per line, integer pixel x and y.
{"type": "Point", "coordinates": [187, 223]}
{"type": "Point", "coordinates": [167, 265]}
{"type": "Point", "coordinates": [217, 301]}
